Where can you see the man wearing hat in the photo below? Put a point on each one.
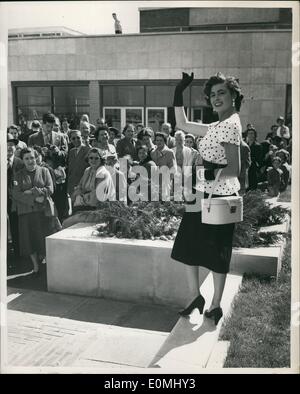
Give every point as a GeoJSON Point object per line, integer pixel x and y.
{"type": "Point", "coordinates": [14, 164]}
{"type": "Point", "coordinates": [282, 131]}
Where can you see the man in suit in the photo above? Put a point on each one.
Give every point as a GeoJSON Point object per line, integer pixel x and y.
{"type": "Point", "coordinates": [47, 138]}
{"type": "Point", "coordinates": [77, 162]}
{"type": "Point", "coordinates": [14, 164]}
{"type": "Point", "coordinates": [166, 129]}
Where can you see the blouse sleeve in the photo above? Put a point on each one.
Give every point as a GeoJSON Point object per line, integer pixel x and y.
{"type": "Point", "coordinates": [230, 133]}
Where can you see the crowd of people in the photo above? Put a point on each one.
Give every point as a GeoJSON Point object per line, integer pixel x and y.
{"type": "Point", "coordinates": [266, 165]}
{"type": "Point", "coordinates": [55, 171]}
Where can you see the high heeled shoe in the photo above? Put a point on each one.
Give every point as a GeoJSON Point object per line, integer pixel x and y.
{"type": "Point", "coordinates": [215, 314]}
{"type": "Point", "coordinates": [198, 302]}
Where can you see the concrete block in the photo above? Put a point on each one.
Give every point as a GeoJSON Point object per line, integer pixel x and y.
{"type": "Point", "coordinates": [81, 75]}
{"type": "Point", "coordinates": [62, 75]}
{"type": "Point", "coordinates": [175, 59]}
{"type": "Point", "coordinates": [142, 60]}
{"type": "Point", "coordinates": [266, 261]}
{"type": "Point", "coordinates": [91, 74]}
{"type": "Point", "coordinates": [270, 41]}
{"type": "Point", "coordinates": [12, 63]}
{"type": "Point", "coordinates": [120, 261]}
{"type": "Point", "coordinates": [12, 48]}
{"type": "Point", "coordinates": [186, 59]}
{"type": "Point", "coordinates": [209, 59]}
{"type": "Point", "coordinates": [131, 269]}
{"type": "Point", "coordinates": [267, 106]}
{"type": "Point", "coordinates": [134, 73]}
{"type": "Point", "coordinates": [73, 270]}
{"type": "Point", "coordinates": [155, 59]}
{"type": "Point", "coordinates": [166, 272]}
{"type": "Point", "coordinates": [143, 73]}
{"type": "Point", "coordinates": [269, 58]}
{"type": "Point", "coordinates": [283, 59]}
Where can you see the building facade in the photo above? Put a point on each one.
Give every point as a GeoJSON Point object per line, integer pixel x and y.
{"type": "Point", "coordinates": [131, 78]}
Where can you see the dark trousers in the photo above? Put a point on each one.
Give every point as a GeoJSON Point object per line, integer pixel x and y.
{"type": "Point", "coordinates": [14, 230]}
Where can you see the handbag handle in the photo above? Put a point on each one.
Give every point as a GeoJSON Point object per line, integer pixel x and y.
{"type": "Point", "coordinates": [213, 188]}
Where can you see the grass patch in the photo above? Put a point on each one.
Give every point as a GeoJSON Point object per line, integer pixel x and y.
{"type": "Point", "coordinates": [259, 326]}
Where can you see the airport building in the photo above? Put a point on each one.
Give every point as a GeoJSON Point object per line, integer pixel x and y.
{"type": "Point", "coordinates": [131, 77]}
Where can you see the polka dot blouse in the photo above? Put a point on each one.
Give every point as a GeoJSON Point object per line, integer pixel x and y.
{"type": "Point", "coordinates": [212, 150]}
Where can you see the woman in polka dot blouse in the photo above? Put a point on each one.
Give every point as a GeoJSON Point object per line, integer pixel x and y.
{"type": "Point", "coordinates": [205, 247]}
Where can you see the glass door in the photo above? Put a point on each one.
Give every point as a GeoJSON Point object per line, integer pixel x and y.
{"type": "Point", "coordinates": [134, 115]}
{"type": "Point", "coordinates": [197, 115]}
{"type": "Point", "coordinates": [113, 117]}
{"type": "Point", "coordinates": [155, 117]}
{"type": "Point", "coordinates": [118, 116]}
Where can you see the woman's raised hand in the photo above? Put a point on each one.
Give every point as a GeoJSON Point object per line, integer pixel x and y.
{"type": "Point", "coordinates": [186, 80]}
{"type": "Point", "coordinates": [183, 84]}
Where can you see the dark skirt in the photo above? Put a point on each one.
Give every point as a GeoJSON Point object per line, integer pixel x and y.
{"type": "Point", "coordinates": [34, 227]}
{"type": "Point", "coordinates": [205, 245]}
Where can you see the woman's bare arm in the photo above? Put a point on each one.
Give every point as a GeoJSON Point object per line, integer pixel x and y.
{"type": "Point", "coordinates": [233, 155]}
{"type": "Point", "coordinates": [182, 123]}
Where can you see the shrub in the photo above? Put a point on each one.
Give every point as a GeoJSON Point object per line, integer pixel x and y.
{"type": "Point", "coordinates": [160, 220]}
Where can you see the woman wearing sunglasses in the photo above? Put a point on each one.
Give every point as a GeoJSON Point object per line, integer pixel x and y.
{"type": "Point", "coordinates": [84, 196]}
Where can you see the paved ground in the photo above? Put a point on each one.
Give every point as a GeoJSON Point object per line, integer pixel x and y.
{"type": "Point", "coordinates": [55, 330]}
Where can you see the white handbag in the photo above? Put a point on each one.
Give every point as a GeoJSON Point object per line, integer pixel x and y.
{"type": "Point", "coordinates": [222, 210]}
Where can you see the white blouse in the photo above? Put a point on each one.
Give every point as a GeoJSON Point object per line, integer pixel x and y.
{"type": "Point", "coordinates": [211, 149]}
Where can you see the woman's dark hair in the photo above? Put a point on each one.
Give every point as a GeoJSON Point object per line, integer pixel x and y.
{"type": "Point", "coordinates": [193, 138]}
{"type": "Point", "coordinates": [146, 131]}
{"type": "Point", "coordinates": [255, 133]}
{"type": "Point", "coordinates": [39, 151]}
{"type": "Point", "coordinates": [231, 83]}
{"type": "Point", "coordinates": [162, 135]}
{"type": "Point", "coordinates": [115, 131]}
{"type": "Point", "coordinates": [99, 128]}
{"type": "Point", "coordinates": [265, 147]}
{"type": "Point", "coordinates": [145, 147]}
{"type": "Point", "coordinates": [285, 153]}
{"type": "Point", "coordinates": [27, 150]}
{"type": "Point", "coordinates": [49, 118]}
{"type": "Point", "coordinates": [96, 150]}
{"type": "Point", "coordinates": [126, 127]}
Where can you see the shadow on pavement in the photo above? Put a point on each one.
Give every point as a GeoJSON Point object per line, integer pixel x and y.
{"type": "Point", "coordinates": [29, 294]}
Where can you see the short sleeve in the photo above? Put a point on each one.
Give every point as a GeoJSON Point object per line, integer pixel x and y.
{"type": "Point", "coordinates": [230, 132]}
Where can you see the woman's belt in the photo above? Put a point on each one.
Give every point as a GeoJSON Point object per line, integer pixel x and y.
{"type": "Point", "coordinates": [208, 165]}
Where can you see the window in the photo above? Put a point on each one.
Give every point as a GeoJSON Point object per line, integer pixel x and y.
{"type": "Point", "coordinates": [68, 100]}
{"type": "Point", "coordinates": [119, 117]}
{"type": "Point", "coordinates": [123, 96]}
{"type": "Point", "coordinates": [162, 96]}
{"type": "Point", "coordinates": [156, 117]}
{"type": "Point", "coordinates": [154, 99]}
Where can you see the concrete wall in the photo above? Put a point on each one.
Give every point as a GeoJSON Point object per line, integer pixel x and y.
{"type": "Point", "coordinates": [79, 262]}
{"type": "Point", "coordinates": [205, 16]}
{"type": "Point", "coordinates": [262, 61]}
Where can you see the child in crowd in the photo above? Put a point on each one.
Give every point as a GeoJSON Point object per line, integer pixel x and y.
{"type": "Point", "coordinates": [285, 167]}
{"type": "Point", "coordinates": [275, 177]}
